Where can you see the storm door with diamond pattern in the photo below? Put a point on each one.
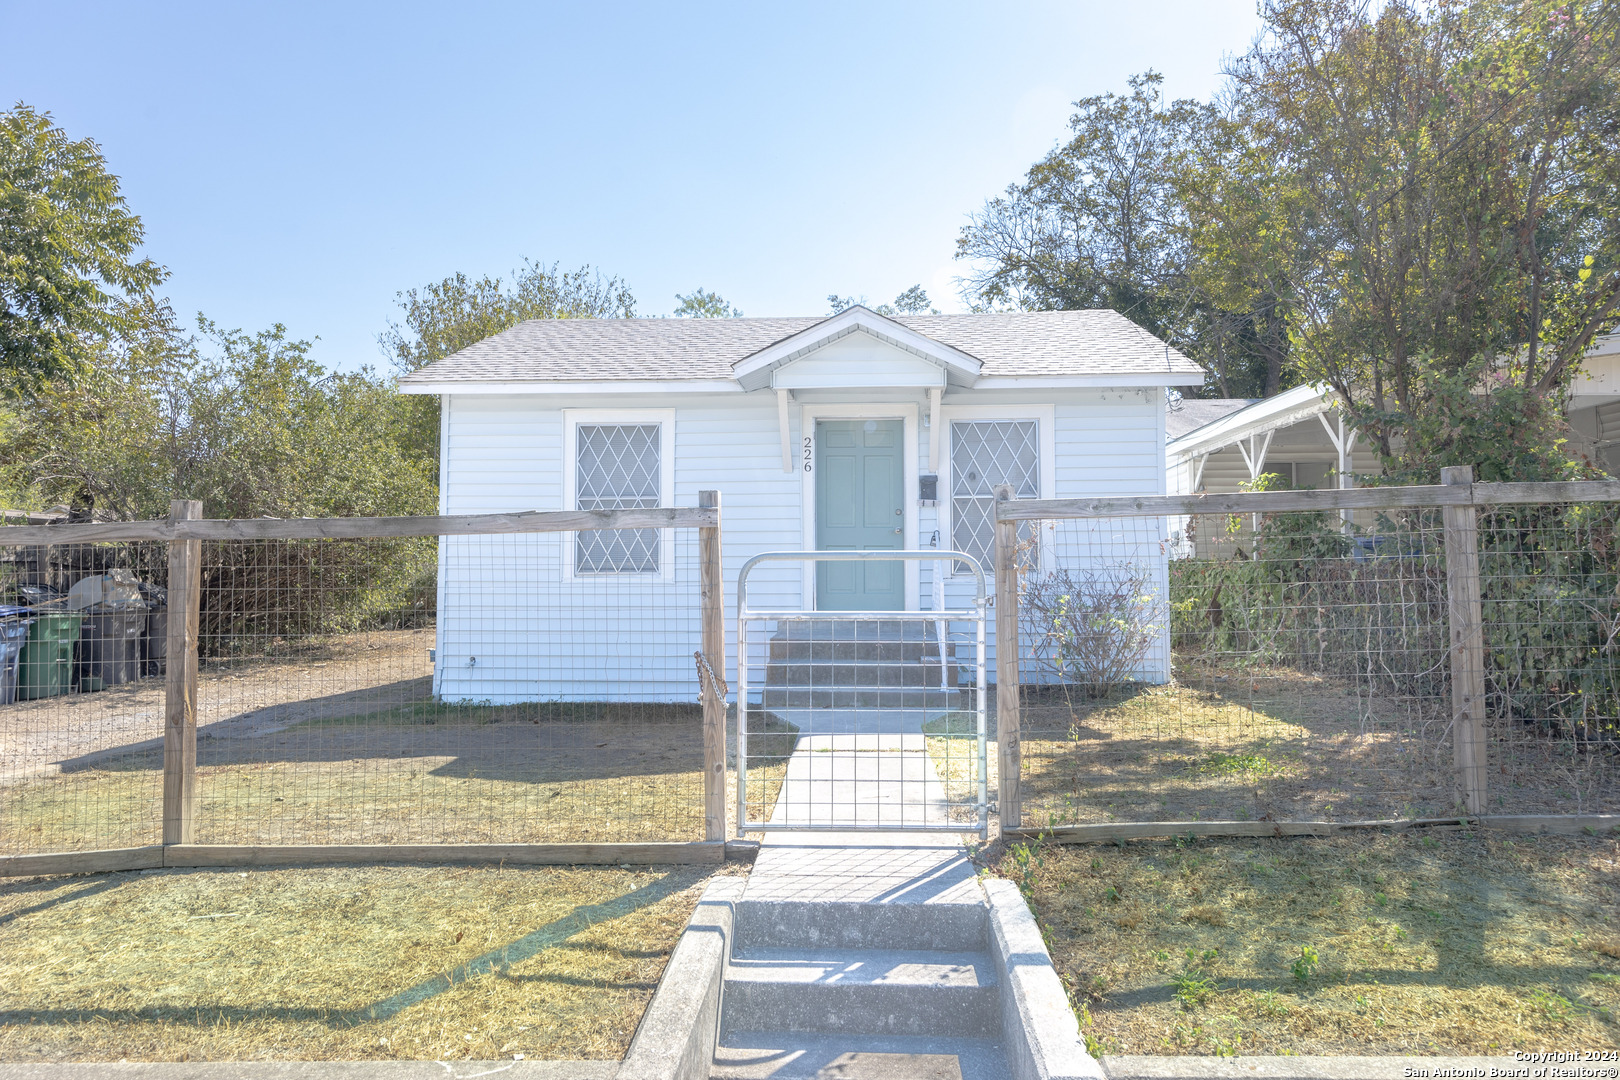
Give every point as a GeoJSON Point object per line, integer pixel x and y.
{"type": "Point", "coordinates": [618, 468]}
{"type": "Point", "coordinates": [984, 455]}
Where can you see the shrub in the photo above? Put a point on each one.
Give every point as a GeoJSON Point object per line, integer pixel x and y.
{"type": "Point", "coordinates": [1095, 627]}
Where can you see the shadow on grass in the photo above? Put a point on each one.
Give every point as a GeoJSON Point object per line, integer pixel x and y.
{"type": "Point", "coordinates": [537, 743]}
{"type": "Point", "coordinates": [495, 962]}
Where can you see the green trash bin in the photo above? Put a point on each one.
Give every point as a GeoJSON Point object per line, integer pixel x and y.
{"type": "Point", "coordinates": [46, 668]}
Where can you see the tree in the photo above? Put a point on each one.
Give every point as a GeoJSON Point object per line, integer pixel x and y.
{"type": "Point", "coordinates": [68, 272]}
{"type": "Point", "coordinates": [247, 423]}
{"type": "Point", "coordinates": [1133, 213]}
{"type": "Point", "coordinates": [1096, 223]}
{"type": "Point", "coordinates": [449, 315]}
{"type": "Point", "coordinates": [705, 305]}
{"type": "Point", "coordinates": [914, 301]}
{"type": "Point", "coordinates": [1449, 185]}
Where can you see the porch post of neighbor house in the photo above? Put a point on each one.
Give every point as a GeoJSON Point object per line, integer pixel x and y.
{"type": "Point", "coordinates": [1009, 751]}
{"type": "Point", "coordinates": [180, 682]}
{"type": "Point", "coordinates": [714, 654]}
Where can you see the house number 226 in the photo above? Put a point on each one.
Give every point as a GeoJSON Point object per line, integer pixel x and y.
{"type": "Point", "coordinates": [809, 454]}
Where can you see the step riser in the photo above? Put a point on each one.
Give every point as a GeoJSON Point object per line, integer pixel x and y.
{"type": "Point", "coordinates": [865, 652]}
{"type": "Point", "coordinates": [858, 676]}
{"type": "Point", "coordinates": [863, 1010]}
{"type": "Point", "coordinates": [856, 630]}
{"type": "Point", "coordinates": [795, 924]}
{"type": "Point", "coordinates": [863, 699]}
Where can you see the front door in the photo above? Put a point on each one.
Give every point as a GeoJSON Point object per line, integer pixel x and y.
{"type": "Point", "coordinates": [860, 481]}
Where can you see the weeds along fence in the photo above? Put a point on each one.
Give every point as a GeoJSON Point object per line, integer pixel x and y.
{"type": "Point", "coordinates": [1259, 664]}
{"type": "Point", "coordinates": [523, 687]}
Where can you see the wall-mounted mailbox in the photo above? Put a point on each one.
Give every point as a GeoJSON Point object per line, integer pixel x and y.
{"type": "Point", "coordinates": [928, 488]}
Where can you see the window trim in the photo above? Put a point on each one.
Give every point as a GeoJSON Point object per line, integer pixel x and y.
{"type": "Point", "coordinates": [665, 419]}
{"type": "Point", "coordinates": [1045, 417]}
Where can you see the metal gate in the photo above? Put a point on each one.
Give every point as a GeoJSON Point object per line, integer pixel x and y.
{"type": "Point", "coordinates": [861, 719]}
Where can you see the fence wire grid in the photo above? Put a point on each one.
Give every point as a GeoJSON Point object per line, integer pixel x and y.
{"type": "Point", "coordinates": [459, 689]}
{"type": "Point", "coordinates": [1295, 666]}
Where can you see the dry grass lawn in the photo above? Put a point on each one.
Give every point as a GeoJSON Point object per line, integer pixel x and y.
{"type": "Point", "coordinates": [420, 772]}
{"type": "Point", "coordinates": [335, 964]}
{"type": "Point", "coordinates": [1416, 942]}
{"type": "Point", "coordinates": [1280, 745]}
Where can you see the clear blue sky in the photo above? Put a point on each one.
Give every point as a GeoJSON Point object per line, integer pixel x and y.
{"type": "Point", "coordinates": [303, 163]}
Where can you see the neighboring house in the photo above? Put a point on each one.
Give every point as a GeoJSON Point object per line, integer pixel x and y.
{"type": "Point", "coordinates": [1222, 444]}
{"type": "Point", "coordinates": [1594, 406]}
{"type": "Point", "coordinates": [1218, 445]}
{"type": "Point", "coordinates": [820, 433]}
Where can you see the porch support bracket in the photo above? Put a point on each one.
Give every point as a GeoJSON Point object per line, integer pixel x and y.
{"type": "Point", "coordinates": [782, 397]}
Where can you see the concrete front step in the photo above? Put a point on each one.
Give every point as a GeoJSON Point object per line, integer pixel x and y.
{"type": "Point", "coordinates": [863, 992]}
{"type": "Point", "coordinates": [843, 697]}
{"type": "Point", "coordinates": [873, 649]}
{"type": "Point", "coordinates": [778, 1055]}
{"type": "Point", "coordinates": [857, 673]}
{"type": "Point", "coordinates": [832, 924]}
{"type": "Point", "coordinates": [834, 664]}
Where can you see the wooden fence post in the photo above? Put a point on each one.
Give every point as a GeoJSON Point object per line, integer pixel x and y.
{"type": "Point", "coordinates": [1009, 753]}
{"type": "Point", "coordinates": [714, 653]}
{"type": "Point", "coordinates": [180, 686]}
{"type": "Point", "coordinates": [1467, 643]}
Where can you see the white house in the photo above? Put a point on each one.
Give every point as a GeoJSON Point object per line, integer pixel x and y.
{"type": "Point", "coordinates": [854, 430]}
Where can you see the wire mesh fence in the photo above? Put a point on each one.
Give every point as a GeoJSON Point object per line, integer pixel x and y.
{"type": "Point", "coordinates": [861, 719]}
{"type": "Point", "coordinates": [82, 632]}
{"type": "Point", "coordinates": [528, 687]}
{"type": "Point", "coordinates": [1292, 665]}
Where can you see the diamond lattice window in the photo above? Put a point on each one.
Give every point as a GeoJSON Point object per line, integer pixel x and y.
{"type": "Point", "coordinates": [617, 467]}
{"type": "Point", "coordinates": [984, 455]}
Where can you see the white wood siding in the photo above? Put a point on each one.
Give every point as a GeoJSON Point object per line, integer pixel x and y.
{"type": "Point", "coordinates": [510, 629]}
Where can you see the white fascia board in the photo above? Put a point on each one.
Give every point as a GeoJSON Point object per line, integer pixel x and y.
{"type": "Point", "coordinates": [601, 386]}
{"type": "Point", "coordinates": [852, 320]}
{"type": "Point", "coordinates": [1270, 414]}
{"type": "Point", "coordinates": [1118, 379]}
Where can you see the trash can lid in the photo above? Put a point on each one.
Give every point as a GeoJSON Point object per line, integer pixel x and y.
{"type": "Point", "coordinates": [12, 611]}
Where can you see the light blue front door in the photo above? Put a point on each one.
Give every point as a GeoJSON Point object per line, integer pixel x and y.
{"type": "Point", "coordinates": [860, 482]}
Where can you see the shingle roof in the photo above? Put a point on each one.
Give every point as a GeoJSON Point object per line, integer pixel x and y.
{"type": "Point", "coordinates": [1194, 413]}
{"type": "Point", "coordinates": [1095, 342]}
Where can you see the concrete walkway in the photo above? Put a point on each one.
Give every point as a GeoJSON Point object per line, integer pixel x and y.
{"type": "Point", "coordinates": [861, 956]}
{"type": "Point", "coordinates": [871, 779]}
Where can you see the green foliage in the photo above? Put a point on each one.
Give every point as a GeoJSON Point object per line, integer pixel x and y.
{"type": "Point", "coordinates": [250, 425]}
{"type": "Point", "coordinates": [1094, 222]}
{"type": "Point", "coordinates": [699, 304]}
{"type": "Point", "coordinates": [247, 423]}
{"type": "Point", "coordinates": [1304, 964]}
{"type": "Point", "coordinates": [1549, 581]}
{"type": "Point", "coordinates": [1508, 432]}
{"type": "Point", "coordinates": [68, 271]}
{"type": "Point", "coordinates": [1437, 179]}
{"type": "Point", "coordinates": [449, 315]}
{"type": "Point", "coordinates": [1193, 987]}
{"type": "Point", "coordinates": [1405, 202]}
{"type": "Point", "coordinates": [914, 301]}
{"type": "Point", "coordinates": [1256, 765]}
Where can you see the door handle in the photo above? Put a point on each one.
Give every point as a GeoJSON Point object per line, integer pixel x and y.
{"type": "Point", "coordinates": [897, 532]}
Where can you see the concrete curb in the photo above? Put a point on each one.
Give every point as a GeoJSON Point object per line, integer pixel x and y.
{"type": "Point", "coordinates": [1310, 1068]}
{"type": "Point", "coordinates": [308, 1070]}
{"type": "Point", "coordinates": [679, 1031]}
{"type": "Point", "coordinates": [1041, 1035]}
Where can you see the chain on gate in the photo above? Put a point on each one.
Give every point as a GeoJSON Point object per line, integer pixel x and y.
{"type": "Point", "coordinates": [717, 683]}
